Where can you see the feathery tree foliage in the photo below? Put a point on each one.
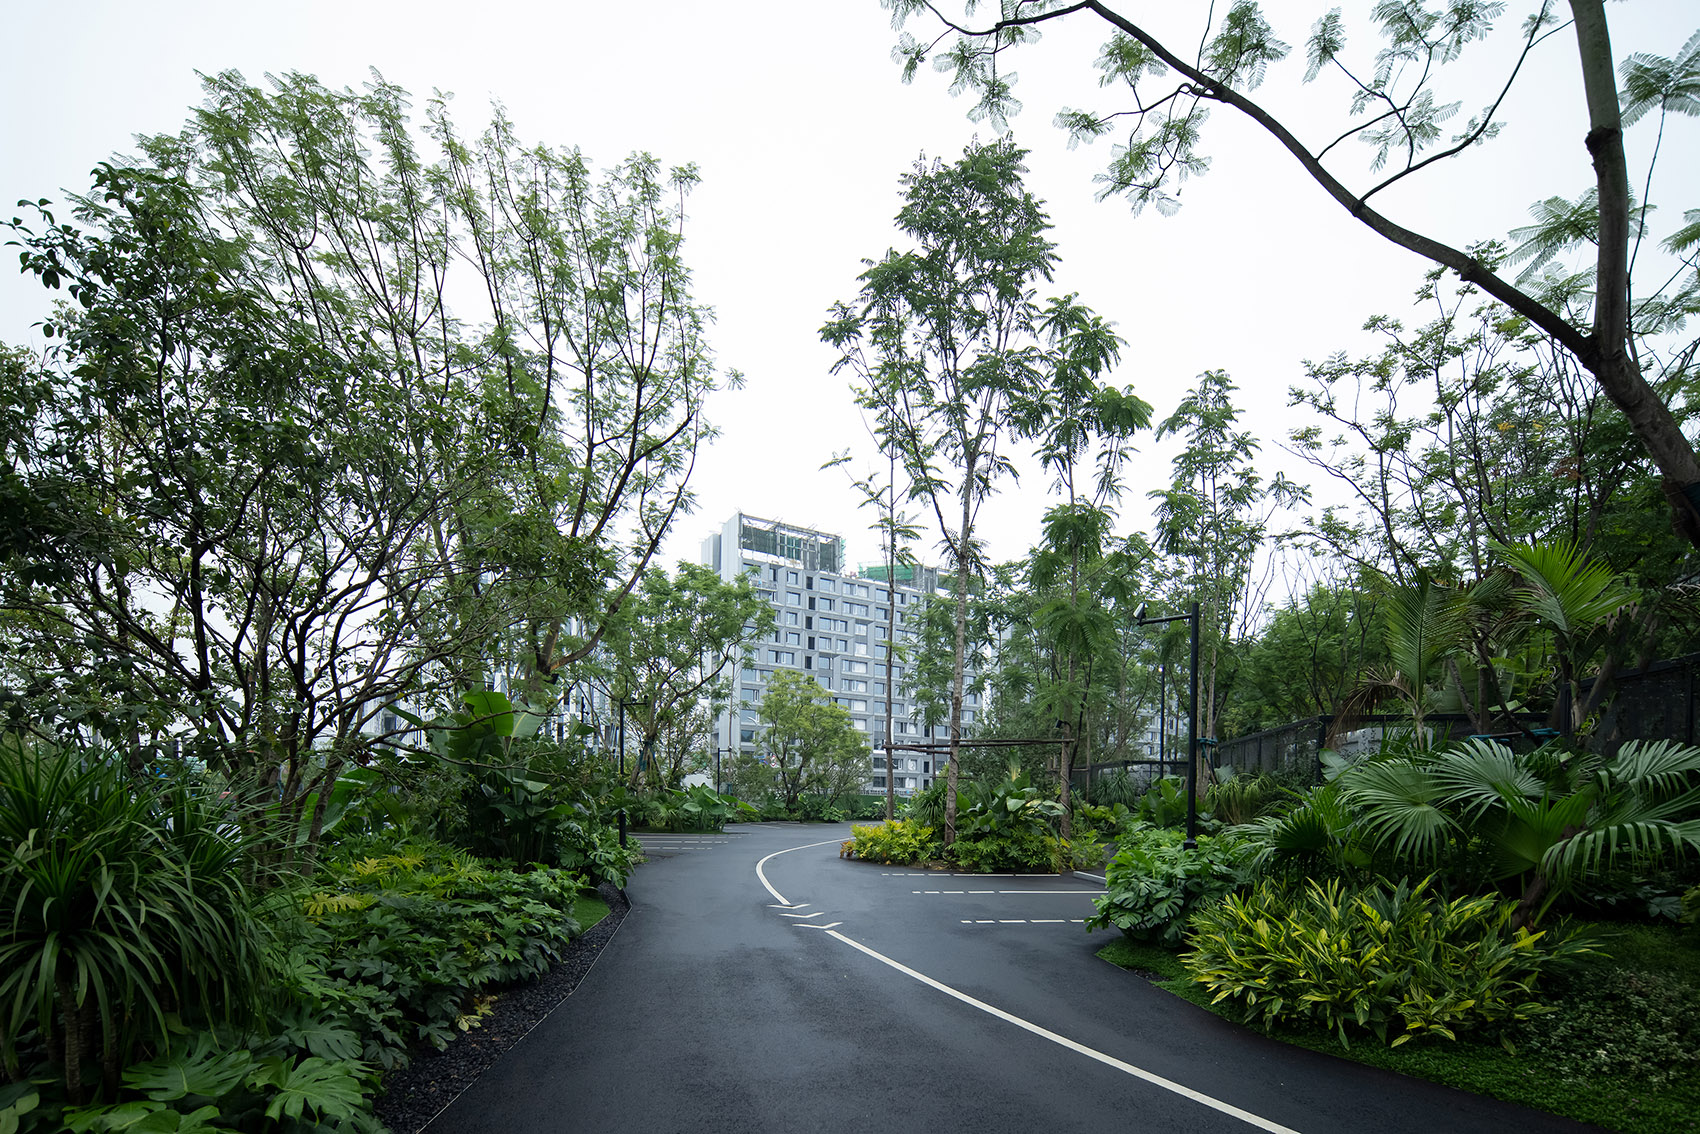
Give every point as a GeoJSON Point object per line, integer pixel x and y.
{"type": "Point", "coordinates": [950, 349]}
{"type": "Point", "coordinates": [281, 483]}
{"type": "Point", "coordinates": [666, 652]}
{"type": "Point", "coordinates": [1393, 103]}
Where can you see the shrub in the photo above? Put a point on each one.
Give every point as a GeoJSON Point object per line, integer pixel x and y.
{"type": "Point", "coordinates": [895, 841]}
{"type": "Point", "coordinates": [1397, 962]}
{"type": "Point", "coordinates": [395, 947]}
{"type": "Point", "coordinates": [1620, 1023]}
{"type": "Point", "coordinates": [126, 903]}
{"type": "Point", "coordinates": [1015, 849]}
{"type": "Point", "coordinates": [1118, 787]}
{"type": "Point", "coordinates": [818, 809]}
{"type": "Point", "coordinates": [926, 806]}
{"type": "Point", "coordinates": [1154, 883]}
{"type": "Point", "coordinates": [1241, 798]}
{"type": "Point", "coordinates": [1083, 852]}
{"type": "Point", "coordinates": [1163, 804]}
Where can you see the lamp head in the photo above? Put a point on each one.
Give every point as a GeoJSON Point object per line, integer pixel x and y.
{"type": "Point", "coordinates": [1139, 615]}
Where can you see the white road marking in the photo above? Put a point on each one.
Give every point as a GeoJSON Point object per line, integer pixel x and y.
{"type": "Point", "coordinates": [1050, 891]}
{"type": "Point", "coordinates": [762, 874]}
{"type": "Point", "coordinates": [800, 925]}
{"type": "Point", "coordinates": [805, 916]}
{"type": "Point", "coordinates": [1154, 1079]}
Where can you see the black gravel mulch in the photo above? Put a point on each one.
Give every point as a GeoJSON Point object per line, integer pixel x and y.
{"type": "Point", "coordinates": [416, 1094]}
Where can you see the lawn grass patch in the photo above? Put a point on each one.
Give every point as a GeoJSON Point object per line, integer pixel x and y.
{"type": "Point", "coordinates": [588, 910]}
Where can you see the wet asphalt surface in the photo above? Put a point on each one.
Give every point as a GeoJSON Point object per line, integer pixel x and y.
{"type": "Point", "coordinates": [724, 1005]}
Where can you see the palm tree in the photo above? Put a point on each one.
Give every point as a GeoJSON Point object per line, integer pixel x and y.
{"type": "Point", "coordinates": [1426, 624]}
{"type": "Point", "coordinates": [1555, 818]}
{"type": "Point", "coordinates": [1576, 599]}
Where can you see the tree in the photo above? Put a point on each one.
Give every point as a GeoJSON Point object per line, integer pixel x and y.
{"type": "Point", "coordinates": [288, 484]}
{"type": "Point", "coordinates": [898, 532]}
{"type": "Point", "coordinates": [1211, 520]}
{"type": "Point", "coordinates": [236, 503]}
{"type": "Point", "coordinates": [1075, 418]}
{"type": "Point", "coordinates": [668, 648]}
{"type": "Point", "coordinates": [1470, 430]}
{"type": "Point", "coordinates": [809, 742]}
{"type": "Point", "coordinates": [1171, 91]}
{"type": "Point", "coordinates": [1313, 651]}
{"type": "Point", "coordinates": [946, 347]}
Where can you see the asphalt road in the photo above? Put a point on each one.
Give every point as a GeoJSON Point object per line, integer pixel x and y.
{"type": "Point", "coordinates": [760, 983]}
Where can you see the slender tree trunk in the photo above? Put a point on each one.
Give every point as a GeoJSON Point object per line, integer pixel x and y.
{"type": "Point", "coordinates": [891, 627]}
{"type": "Point", "coordinates": [962, 566]}
{"type": "Point", "coordinates": [72, 1024]}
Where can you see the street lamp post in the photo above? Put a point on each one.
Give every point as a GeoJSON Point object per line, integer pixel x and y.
{"type": "Point", "coordinates": [623, 703]}
{"type": "Point", "coordinates": [1192, 720]}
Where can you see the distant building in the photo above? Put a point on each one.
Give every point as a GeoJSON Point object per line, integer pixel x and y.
{"type": "Point", "coordinates": [830, 624]}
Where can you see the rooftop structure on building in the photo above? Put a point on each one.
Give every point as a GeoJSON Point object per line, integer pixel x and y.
{"type": "Point", "coordinates": [831, 624]}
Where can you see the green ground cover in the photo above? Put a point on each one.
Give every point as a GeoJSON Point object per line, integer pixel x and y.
{"type": "Point", "coordinates": [1621, 1048]}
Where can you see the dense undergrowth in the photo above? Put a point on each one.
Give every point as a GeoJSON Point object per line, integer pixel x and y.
{"type": "Point", "coordinates": [161, 972]}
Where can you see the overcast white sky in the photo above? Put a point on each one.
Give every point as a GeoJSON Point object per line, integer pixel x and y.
{"type": "Point", "coordinates": [794, 112]}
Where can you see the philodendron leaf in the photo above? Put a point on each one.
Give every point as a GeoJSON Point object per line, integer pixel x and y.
{"type": "Point", "coordinates": [172, 1078]}
{"type": "Point", "coordinates": [331, 1089]}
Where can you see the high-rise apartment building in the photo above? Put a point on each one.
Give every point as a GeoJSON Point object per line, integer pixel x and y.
{"type": "Point", "coordinates": [831, 624]}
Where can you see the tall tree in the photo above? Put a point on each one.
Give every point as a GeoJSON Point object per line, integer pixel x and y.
{"type": "Point", "coordinates": [290, 484]}
{"type": "Point", "coordinates": [1212, 519]}
{"type": "Point", "coordinates": [944, 343]}
{"type": "Point", "coordinates": [898, 532]}
{"type": "Point", "coordinates": [1077, 420]}
{"type": "Point", "coordinates": [1172, 87]}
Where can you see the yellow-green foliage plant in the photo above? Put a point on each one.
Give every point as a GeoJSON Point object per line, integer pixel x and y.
{"type": "Point", "coordinates": [896, 841]}
{"type": "Point", "coordinates": [1397, 962]}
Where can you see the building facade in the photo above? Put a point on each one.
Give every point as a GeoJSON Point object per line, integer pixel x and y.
{"type": "Point", "coordinates": [831, 624]}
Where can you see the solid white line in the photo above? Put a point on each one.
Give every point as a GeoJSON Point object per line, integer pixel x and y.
{"type": "Point", "coordinates": [1092, 877]}
{"type": "Point", "coordinates": [1063, 1041]}
{"type": "Point", "coordinates": [805, 916]}
{"type": "Point", "coordinates": [762, 875]}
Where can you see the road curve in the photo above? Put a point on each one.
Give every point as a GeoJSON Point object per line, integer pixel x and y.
{"type": "Point", "coordinates": [760, 983]}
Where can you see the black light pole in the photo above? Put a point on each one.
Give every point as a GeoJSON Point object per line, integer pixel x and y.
{"type": "Point", "coordinates": [1191, 724]}
{"type": "Point", "coordinates": [1162, 719]}
{"type": "Point", "coordinates": [622, 769]}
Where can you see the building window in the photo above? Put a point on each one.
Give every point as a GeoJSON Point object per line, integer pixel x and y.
{"type": "Point", "coordinates": [746, 736]}
{"type": "Point", "coordinates": [879, 781]}
{"type": "Point", "coordinates": [791, 577]}
{"type": "Point", "coordinates": [792, 598]}
{"type": "Point", "coordinates": [825, 604]}
{"type": "Point", "coordinates": [790, 618]}
{"type": "Point", "coordinates": [792, 638]}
